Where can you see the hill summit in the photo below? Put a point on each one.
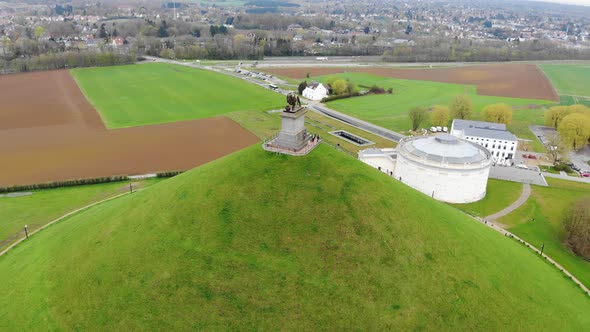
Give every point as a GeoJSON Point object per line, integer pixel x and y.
{"type": "Point", "coordinates": [263, 241]}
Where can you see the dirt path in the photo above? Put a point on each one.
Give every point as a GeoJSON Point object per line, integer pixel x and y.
{"type": "Point", "coordinates": [526, 192]}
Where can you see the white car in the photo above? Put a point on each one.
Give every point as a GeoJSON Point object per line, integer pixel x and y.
{"type": "Point", "coordinates": [522, 166]}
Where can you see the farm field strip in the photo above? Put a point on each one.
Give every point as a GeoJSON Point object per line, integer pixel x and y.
{"type": "Point", "coordinates": [569, 80]}
{"type": "Point", "coordinates": [155, 93]}
{"type": "Point", "coordinates": [501, 80]}
{"type": "Point", "coordinates": [51, 133]}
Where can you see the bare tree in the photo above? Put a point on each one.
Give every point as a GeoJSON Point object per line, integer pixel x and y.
{"type": "Point", "coordinates": [556, 147]}
{"type": "Point", "coordinates": [577, 225]}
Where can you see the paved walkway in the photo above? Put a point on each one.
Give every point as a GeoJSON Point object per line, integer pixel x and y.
{"type": "Point", "coordinates": [60, 219]}
{"type": "Point", "coordinates": [526, 192]}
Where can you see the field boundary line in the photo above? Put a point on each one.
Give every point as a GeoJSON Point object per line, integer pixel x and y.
{"type": "Point", "coordinates": [506, 233]}
{"type": "Point", "coordinates": [69, 214]}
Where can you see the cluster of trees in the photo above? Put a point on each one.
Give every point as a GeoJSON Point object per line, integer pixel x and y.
{"type": "Point", "coordinates": [572, 124]}
{"type": "Point", "coordinates": [577, 224]}
{"type": "Point", "coordinates": [461, 108]}
{"type": "Point", "coordinates": [341, 87]}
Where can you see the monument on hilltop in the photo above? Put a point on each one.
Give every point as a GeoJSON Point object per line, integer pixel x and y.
{"type": "Point", "coordinates": [293, 138]}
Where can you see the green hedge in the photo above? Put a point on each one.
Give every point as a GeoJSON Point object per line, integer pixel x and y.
{"type": "Point", "coordinates": [60, 184]}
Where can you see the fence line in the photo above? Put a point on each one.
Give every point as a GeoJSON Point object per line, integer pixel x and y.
{"type": "Point", "coordinates": [60, 219]}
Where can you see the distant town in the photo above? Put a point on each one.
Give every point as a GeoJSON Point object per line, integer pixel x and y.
{"type": "Point", "coordinates": [396, 30]}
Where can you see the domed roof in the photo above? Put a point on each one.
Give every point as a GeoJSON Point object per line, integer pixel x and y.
{"type": "Point", "coordinates": [445, 148]}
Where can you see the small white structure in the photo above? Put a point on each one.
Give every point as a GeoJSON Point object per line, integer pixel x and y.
{"type": "Point", "coordinates": [315, 91]}
{"type": "Point", "coordinates": [381, 159]}
{"type": "Point", "coordinates": [444, 167]}
{"type": "Point", "coordinates": [500, 142]}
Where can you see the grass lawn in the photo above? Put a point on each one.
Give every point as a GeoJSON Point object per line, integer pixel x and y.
{"type": "Point", "coordinates": [257, 240]}
{"type": "Point", "coordinates": [138, 95]}
{"type": "Point", "coordinates": [538, 221]}
{"type": "Point", "coordinates": [500, 194]}
{"type": "Point", "coordinates": [391, 111]}
{"type": "Point", "coordinates": [43, 206]}
{"type": "Point", "coordinates": [573, 80]}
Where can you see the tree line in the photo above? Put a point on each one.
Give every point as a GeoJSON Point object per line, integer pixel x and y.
{"type": "Point", "coordinates": [460, 108]}
{"type": "Point", "coordinates": [437, 49]}
{"type": "Point", "coordinates": [65, 60]}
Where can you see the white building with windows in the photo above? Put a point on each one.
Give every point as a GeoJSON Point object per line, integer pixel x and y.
{"type": "Point", "coordinates": [315, 91]}
{"type": "Point", "coordinates": [494, 137]}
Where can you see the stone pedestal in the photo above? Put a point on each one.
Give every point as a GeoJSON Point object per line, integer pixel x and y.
{"type": "Point", "coordinates": [293, 138]}
{"type": "Point", "coordinates": [293, 134]}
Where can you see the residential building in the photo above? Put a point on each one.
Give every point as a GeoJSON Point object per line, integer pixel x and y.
{"type": "Point", "coordinates": [315, 91]}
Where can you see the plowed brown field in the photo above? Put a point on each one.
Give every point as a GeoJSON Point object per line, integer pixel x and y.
{"type": "Point", "coordinates": [501, 80]}
{"type": "Point", "coordinates": [49, 132]}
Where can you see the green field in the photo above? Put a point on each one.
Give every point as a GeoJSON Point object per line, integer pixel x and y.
{"type": "Point", "coordinates": [391, 111]}
{"type": "Point", "coordinates": [500, 194]}
{"type": "Point", "coordinates": [145, 94]}
{"type": "Point", "coordinates": [572, 80]}
{"type": "Point", "coordinates": [43, 206]}
{"type": "Point", "coordinates": [260, 241]}
{"type": "Point", "coordinates": [538, 222]}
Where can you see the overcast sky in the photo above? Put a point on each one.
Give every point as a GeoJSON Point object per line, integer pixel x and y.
{"type": "Point", "coordinates": [573, 2]}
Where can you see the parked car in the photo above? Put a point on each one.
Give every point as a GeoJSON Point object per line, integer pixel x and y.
{"type": "Point", "coordinates": [522, 166]}
{"type": "Point", "coordinates": [585, 174]}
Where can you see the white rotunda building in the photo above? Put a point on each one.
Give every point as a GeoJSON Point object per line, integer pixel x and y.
{"type": "Point", "coordinates": [445, 167]}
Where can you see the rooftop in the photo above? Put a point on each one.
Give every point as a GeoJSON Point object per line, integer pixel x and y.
{"type": "Point", "coordinates": [444, 148]}
{"type": "Point", "coordinates": [490, 133]}
{"type": "Point", "coordinates": [459, 124]}
{"type": "Point", "coordinates": [483, 129]}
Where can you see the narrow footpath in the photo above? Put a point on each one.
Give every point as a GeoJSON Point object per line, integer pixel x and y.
{"type": "Point", "coordinates": [526, 192]}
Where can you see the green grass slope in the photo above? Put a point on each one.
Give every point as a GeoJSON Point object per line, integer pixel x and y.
{"type": "Point", "coordinates": [538, 221]}
{"type": "Point", "coordinates": [44, 206]}
{"type": "Point", "coordinates": [569, 79]}
{"type": "Point", "coordinates": [153, 93]}
{"type": "Point", "coordinates": [263, 241]}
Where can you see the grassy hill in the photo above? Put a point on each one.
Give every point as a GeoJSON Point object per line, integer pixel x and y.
{"type": "Point", "coordinates": [263, 241]}
{"type": "Point", "coordinates": [138, 95]}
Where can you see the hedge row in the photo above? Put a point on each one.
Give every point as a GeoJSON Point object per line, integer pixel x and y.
{"type": "Point", "coordinates": [61, 184]}
{"type": "Point", "coordinates": [168, 174]}
{"type": "Point", "coordinates": [336, 97]}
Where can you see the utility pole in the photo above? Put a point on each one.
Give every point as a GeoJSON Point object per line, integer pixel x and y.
{"type": "Point", "coordinates": [542, 248]}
